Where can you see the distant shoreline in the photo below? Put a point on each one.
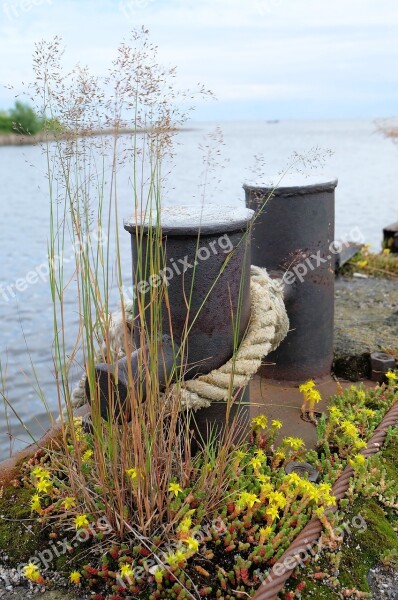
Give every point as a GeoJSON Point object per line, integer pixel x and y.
{"type": "Point", "coordinates": [15, 139]}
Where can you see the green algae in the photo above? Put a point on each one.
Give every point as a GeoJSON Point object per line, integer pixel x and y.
{"type": "Point", "coordinates": [362, 549]}
{"type": "Point", "coordinates": [20, 533]}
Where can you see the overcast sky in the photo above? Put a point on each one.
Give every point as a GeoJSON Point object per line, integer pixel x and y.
{"type": "Point", "coordinates": [262, 58]}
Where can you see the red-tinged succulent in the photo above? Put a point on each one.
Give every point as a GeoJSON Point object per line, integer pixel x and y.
{"type": "Point", "coordinates": [231, 507]}
{"type": "Point", "coordinates": [114, 552]}
{"type": "Point", "coordinates": [301, 586]}
{"type": "Point", "coordinates": [90, 570]}
{"type": "Point", "coordinates": [205, 591]}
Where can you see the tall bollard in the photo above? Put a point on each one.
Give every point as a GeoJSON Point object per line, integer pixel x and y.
{"type": "Point", "coordinates": [206, 268]}
{"type": "Point", "coordinates": [293, 238]}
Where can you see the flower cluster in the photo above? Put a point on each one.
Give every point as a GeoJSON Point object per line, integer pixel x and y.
{"type": "Point", "coordinates": [311, 397]}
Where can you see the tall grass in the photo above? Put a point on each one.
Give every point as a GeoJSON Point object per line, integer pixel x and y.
{"type": "Point", "coordinates": [124, 466]}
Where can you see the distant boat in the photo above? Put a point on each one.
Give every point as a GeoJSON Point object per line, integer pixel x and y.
{"type": "Point", "coordinates": [272, 121]}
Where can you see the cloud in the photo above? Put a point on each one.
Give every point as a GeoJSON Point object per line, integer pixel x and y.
{"type": "Point", "coordinates": [257, 50]}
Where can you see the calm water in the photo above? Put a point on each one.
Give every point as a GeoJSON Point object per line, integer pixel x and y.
{"type": "Point", "coordinates": [367, 197]}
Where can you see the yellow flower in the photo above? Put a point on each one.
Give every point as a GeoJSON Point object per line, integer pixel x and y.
{"type": "Point", "coordinates": [386, 251]}
{"type": "Point", "coordinates": [75, 577]}
{"type": "Point", "coordinates": [31, 571]}
{"type": "Point", "coordinates": [277, 424]}
{"type": "Point", "coordinates": [247, 499]}
{"type": "Point", "coordinates": [265, 533]}
{"type": "Point", "coordinates": [178, 557]}
{"type": "Point", "coordinates": [69, 503]}
{"type": "Point", "coordinates": [263, 478]}
{"type": "Point", "coordinates": [358, 461]}
{"type": "Point", "coordinates": [368, 412]}
{"type": "Point", "coordinates": [240, 455]}
{"type": "Point", "coordinates": [35, 503]}
{"type": "Point", "coordinates": [192, 544]}
{"type": "Point", "coordinates": [41, 473]}
{"type": "Point", "coordinates": [44, 486]}
{"type": "Point", "coordinates": [311, 490]}
{"type": "Point", "coordinates": [78, 428]}
{"type": "Point", "coordinates": [265, 490]}
{"type": "Point", "coordinates": [314, 397]}
{"type": "Point", "coordinates": [259, 422]}
{"type": "Point", "coordinates": [126, 571]}
{"type": "Point", "coordinates": [272, 512]}
{"type": "Point", "coordinates": [359, 444]}
{"type": "Point", "coordinates": [278, 499]}
{"type": "Point", "coordinates": [391, 376]}
{"type": "Point", "coordinates": [81, 521]}
{"type": "Point", "coordinates": [325, 491]}
{"type": "Point", "coordinates": [256, 463]}
{"type": "Point", "coordinates": [132, 473]}
{"type": "Point", "coordinates": [335, 413]}
{"type": "Point", "coordinates": [185, 525]}
{"type": "Point", "coordinates": [175, 488]}
{"type": "Point", "coordinates": [294, 443]}
{"type": "Point", "coordinates": [361, 263]}
{"type": "Point", "coordinates": [87, 456]}
{"type": "Point", "coordinates": [349, 429]}
{"type": "Point", "coordinates": [280, 454]}
{"type": "Point", "coordinates": [307, 386]}
{"type": "Point", "coordinates": [293, 479]}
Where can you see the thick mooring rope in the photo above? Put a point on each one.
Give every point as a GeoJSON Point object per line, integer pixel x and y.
{"type": "Point", "coordinates": [269, 325]}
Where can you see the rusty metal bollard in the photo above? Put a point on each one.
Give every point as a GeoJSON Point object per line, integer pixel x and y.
{"type": "Point", "coordinates": [207, 257]}
{"type": "Point", "coordinates": [293, 237]}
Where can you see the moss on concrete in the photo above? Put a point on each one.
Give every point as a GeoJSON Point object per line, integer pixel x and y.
{"type": "Point", "coordinates": [20, 534]}
{"type": "Point", "coordinates": [361, 550]}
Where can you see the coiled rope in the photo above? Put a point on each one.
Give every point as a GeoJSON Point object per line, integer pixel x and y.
{"type": "Point", "coordinates": [268, 326]}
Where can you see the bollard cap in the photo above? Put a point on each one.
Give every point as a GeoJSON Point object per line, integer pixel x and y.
{"type": "Point", "coordinates": [295, 184]}
{"type": "Point", "coordinates": [192, 219]}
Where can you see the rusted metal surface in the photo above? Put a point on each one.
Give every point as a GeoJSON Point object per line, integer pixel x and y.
{"type": "Point", "coordinates": [381, 363]}
{"type": "Point", "coordinates": [293, 233]}
{"type": "Point", "coordinates": [280, 572]}
{"type": "Point", "coordinates": [207, 260]}
{"type": "Point", "coordinates": [112, 381]}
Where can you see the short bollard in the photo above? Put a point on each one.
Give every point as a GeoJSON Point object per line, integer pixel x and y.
{"type": "Point", "coordinates": [293, 237]}
{"type": "Point", "coordinates": [381, 363]}
{"type": "Point", "coordinates": [112, 381]}
{"type": "Point", "coordinates": [390, 238]}
{"type": "Point", "coordinates": [207, 259]}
